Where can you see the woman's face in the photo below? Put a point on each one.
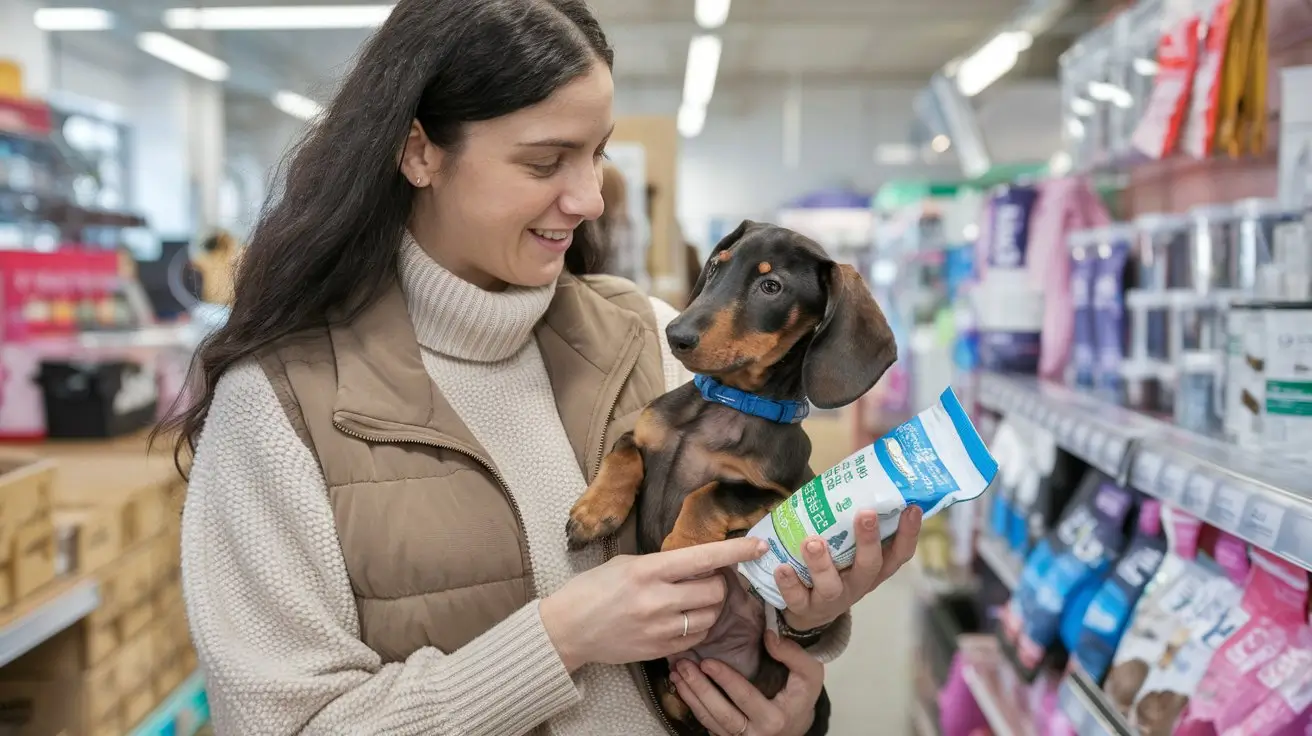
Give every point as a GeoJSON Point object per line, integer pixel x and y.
{"type": "Point", "coordinates": [504, 209]}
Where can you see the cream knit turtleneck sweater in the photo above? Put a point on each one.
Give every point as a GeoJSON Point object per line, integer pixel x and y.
{"type": "Point", "coordinates": [271, 608]}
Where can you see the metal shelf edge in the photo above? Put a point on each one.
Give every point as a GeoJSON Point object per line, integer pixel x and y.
{"type": "Point", "coordinates": [47, 620]}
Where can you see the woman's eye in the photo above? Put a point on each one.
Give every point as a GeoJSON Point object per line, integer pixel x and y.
{"type": "Point", "coordinates": [545, 169]}
{"type": "Point", "coordinates": [770, 286]}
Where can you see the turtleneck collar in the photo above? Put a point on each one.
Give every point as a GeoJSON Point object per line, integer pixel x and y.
{"type": "Point", "coordinates": [459, 320]}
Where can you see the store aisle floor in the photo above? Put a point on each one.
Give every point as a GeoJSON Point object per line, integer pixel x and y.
{"type": "Point", "coordinates": [870, 684]}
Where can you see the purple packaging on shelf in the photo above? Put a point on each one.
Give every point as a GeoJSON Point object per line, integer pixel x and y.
{"type": "Point", "coordinates": [1109, 308]}
{"type": "Point", "coordinates": [1009, 352]}
{"type": "Point", "coordinates": [1083, 264]}
{"type": "Point", "coordinates": [1009, 239]}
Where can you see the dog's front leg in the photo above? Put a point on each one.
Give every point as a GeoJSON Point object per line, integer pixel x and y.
{"type": "Point", "coordinates": [606, 503]}
{"type": "Point", "coordinates": [708, 516]}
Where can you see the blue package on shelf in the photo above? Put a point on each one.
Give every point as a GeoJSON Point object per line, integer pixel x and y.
{"type": "Point", "coordinates": [1075, 555]}
{"type": "Point", "coordinates": [1106, 617]}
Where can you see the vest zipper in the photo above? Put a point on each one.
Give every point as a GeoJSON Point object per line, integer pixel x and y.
{"type": "Point", "coordinates": [610, 547]}
{"type": "Point", "coordinates": [505, 487]}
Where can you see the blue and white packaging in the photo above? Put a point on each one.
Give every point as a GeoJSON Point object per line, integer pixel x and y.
{"type": "Point", "coordinates": [934, 460]}
{"type": "Point", "coordinates": [1009, 237]}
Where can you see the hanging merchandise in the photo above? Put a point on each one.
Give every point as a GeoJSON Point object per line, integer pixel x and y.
{"type": "Point", "coordinates": [1234, 76]}
{"type": "Point", "coordinates": [1200, 125]}
{"type": "Point", "coordinates": [1177, 61]}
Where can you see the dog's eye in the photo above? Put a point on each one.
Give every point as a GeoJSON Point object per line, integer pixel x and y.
{"type": "Point", "coordinates": [770, 286]}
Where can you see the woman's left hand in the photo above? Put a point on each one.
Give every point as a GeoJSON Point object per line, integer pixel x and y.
{"type": "Point", "coordinates": [833, 593]}
{"type": "Point", "coordinates": [746, 712]}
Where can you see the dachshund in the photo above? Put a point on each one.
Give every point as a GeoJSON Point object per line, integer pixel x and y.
{"type": "Point", "coordinates": [773, 326]}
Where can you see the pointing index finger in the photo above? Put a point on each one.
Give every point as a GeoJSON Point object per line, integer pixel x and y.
{"type": "Point", "coordinates": [688, 562]}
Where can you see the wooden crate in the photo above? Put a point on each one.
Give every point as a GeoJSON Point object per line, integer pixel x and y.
{"type": "Point", "coordinates": [139, 488]}
{"type": "Point", "coordinates": [91, 537]}
{"type": "Point", "coordinates": [25, 495]}
{"type": "Point", "coordinates": [33, 562]}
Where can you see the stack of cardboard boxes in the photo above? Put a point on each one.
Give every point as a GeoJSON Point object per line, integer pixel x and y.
{"type": "Point", "coordinates": [113, 519]}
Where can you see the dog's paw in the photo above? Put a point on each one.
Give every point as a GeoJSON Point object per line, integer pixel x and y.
{"type": "Point", "coordinates": [585, 526]}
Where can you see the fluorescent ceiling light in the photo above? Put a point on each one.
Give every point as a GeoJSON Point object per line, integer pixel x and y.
{"type": "Point", "coordinates": [691, 119]}
{"type": "Point", "coordinates": [941, 143]}
{"type": "Point", "coordinates": [711, 13]}
{"type": "Point", "coordinates": [703, 64]}
{"type": "Point", "coordinates": [1083, 107]}
{"type": "Point", "coordinates": [291, 17]}
{"type": "Point", "coordinates": [991, 61]}
{"type": "Point", "coordinates": [73, 19]}
{"type": "Point", "coordinates": [1144, 66]}
{"type": "Point", "coordinates": [1060, 163]}
{"type": "Point", "coordinates": [296, 105]}
{"type": "Point", "coordinates": [183, 56]}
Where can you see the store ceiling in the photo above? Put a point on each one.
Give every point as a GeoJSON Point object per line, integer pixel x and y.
{"type": "Point", "coordinates": [764, 40]}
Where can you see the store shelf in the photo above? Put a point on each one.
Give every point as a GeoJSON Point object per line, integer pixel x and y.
{"type": "Point", "coordinates": [1263, 498]}
{"type": "Point", "coordinates": [1003, 719]}
{"type": "Point", "coordinates": [1005, 564]}
{"type": "Point", "coordinates": [1087, 708]}
{"type": "Point", "coordinates": [49, 613]}
{"type": "Point", "coordinates": [181, 714]}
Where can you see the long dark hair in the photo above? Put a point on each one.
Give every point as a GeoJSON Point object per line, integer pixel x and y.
{"type": "Point", "coordinates": [325, 247]}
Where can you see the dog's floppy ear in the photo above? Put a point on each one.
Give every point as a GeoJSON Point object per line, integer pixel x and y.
{"type": "Point", "coordinates": [725, 243]}
{"type": "Point", "coordinates": [853, 345]}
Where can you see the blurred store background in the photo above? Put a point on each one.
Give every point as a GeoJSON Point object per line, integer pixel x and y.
{"type": "Point", "coordinates": [1091, 218]}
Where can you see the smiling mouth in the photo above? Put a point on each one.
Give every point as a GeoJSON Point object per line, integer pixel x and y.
{"type": "Point", "coordinates": [556, 241]}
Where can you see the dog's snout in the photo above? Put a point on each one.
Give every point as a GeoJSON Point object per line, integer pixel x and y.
{"type": "Point", "coordinates": [682, 337]}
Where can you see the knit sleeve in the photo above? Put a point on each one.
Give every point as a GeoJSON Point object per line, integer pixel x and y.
{"type": "Point", "coordinates": [273, 616]}
{"type": "Point", "coordinates": [675, 374]}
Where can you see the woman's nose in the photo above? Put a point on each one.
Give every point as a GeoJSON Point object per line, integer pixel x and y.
{"type": "Point", "coordinates": [582, 198]}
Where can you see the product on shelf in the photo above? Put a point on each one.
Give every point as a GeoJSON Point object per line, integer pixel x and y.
{"type": "Point", "coordinates": [1200, 125]}
{"type": "Point", "coordinates": [1105, 619]}
{"type": "Point", "coordinates": [1073, 558]}
{"type": "Point", "coordinates": [1189, 612]}
{"type": "Point", "coordinates": [1108, 297]}
{"type": "Point", "coordinates": [1275, 603]}
{"type": "Point", "coordinates": [1084, 264]}
{"type": "Point", "coordinates": [1285, 693]}
{"type": "Point", "coordinates": [1158, 131]}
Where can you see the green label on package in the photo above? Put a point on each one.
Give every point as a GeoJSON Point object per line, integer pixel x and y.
{"type": "Point", "coordinates": [788, 526]}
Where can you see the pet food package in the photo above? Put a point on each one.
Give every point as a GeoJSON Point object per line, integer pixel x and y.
{"type": "Point", "coordinates": [1175, 632]}
{"type": "Point", "coordinates": [934, 460]}
{"type": "Point", "coordinates": [1284, 703]}
{"type": "Point", "coordinates": [1275, 597]}
{"type": "Point", "coordinates": [1062, 566]}
{"type": "Point", "coordinates": [1177, 57]}
{"type": "Point", "coordinates": [1106, 617]}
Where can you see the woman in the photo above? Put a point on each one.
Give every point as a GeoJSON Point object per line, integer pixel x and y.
{"type": "Point", "coordinates": [415, 384]}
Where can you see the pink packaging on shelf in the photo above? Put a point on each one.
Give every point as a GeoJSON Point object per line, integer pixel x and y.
{"type": "Point", "coordinates": [1275, 598]}
{"type": "Point", "coordinates": [1287, 680]}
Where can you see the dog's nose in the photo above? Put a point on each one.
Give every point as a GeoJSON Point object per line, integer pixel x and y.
{"type": "Point", "coordinates": [683, 339]}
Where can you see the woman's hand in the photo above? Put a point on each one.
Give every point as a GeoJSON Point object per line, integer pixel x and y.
{"type": "Point", "coordinates": [746, 712]}
{"type": "Point", "coordinates": [833, 593]}
{"type": "Point", "coordinates": [633, 608]}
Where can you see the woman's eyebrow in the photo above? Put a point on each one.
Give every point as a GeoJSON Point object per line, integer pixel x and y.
{"type": "Point", "coordinates": [563, 142]}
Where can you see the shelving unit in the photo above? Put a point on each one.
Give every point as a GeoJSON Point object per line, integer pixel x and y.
{"type": "Point", "coordinates": [64, 605]}
{"type": "Point", "coordinates": [1262, 498]}
{"type": "Point", "coordinates": [1004, 563]}
{"type": "Point", "coordinates": [1087, 708]}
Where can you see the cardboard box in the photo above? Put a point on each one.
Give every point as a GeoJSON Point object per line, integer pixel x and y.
{"type": "Point", "coordinates": [138, 487]}
{"type": "Point", "coordinates": [25, 494]}
{"type": "Point", "coordinates": [51, 690]}
{"type": "Point", "coordinates": [138, 704]}
{"type": "Point", "coordinates": [91, 536]}
{"type": "Point", "coordinates": [34, 556]}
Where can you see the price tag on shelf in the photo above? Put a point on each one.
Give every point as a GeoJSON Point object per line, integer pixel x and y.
{"type": "Point", "coordinates": [1097, 441]}
{"type": "Point", "coordinates": [1198, 494]}
{"type": "Point", "coordinates": [1300, 539]}
{"type": "Point", "coordinates": [1171, 483]}
{"type": "Point", "coordinates": [1065, 429]}
{"type": "Point", "coordinates": [1113, 452]}
{"type": "Point", "coordinates": [1261, 524]}
{"type": "Point", "coordinates": [1147, 466]}
{"type": "Point", "coordinates": [1227, 506]}
{"type": "Point", "coordinates": [1080, 438]}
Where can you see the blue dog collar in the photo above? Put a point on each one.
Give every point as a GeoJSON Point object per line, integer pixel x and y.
{"type": "Point", "coordinates": [783, 412]}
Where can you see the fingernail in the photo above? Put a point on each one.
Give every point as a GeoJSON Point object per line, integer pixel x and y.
{"type": "Point", "coordinates": [686, 668]}
{"type": "Point", "coordinates": [761, 547]}
{"type": "Point", "coordinates": [919, 513]}
{"type": "Point", "coordinates": [871, 523]}
{"type": "Point", "coordinates": [815, 546]}
{"type": "Point", "coordinates": [709, 667]}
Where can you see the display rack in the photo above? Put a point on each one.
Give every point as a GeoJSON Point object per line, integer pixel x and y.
{"type": "Point", "coordinates": [1087, 708]}
{"type": "Point", "coordinates": [181, 714]}
{"type": "Point", "coordinates": [64, 605]}
{"type": "Point", "coordinates": [1263, 498]}
{"type": "Point", "coordinates": [1003, 562]}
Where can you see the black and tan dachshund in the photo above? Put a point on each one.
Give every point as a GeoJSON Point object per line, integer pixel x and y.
{"type": "Point", "coordinates": [773, 323]}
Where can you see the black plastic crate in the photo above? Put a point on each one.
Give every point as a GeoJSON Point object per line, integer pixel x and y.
{"type": "Point", "coordinates": [94, 400]}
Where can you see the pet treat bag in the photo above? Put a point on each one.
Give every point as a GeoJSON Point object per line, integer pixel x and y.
{"type": "Point", "coordinates": [1105, 619]}
{"type": "Point", "coordinates": [1075, 555]}
{"type": "Point", "coordinates": [1276, 599]}
{"type": "Point", "coordinates": [932, 461]}
{"type": "Point", "coordinates": [1192, 619]}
